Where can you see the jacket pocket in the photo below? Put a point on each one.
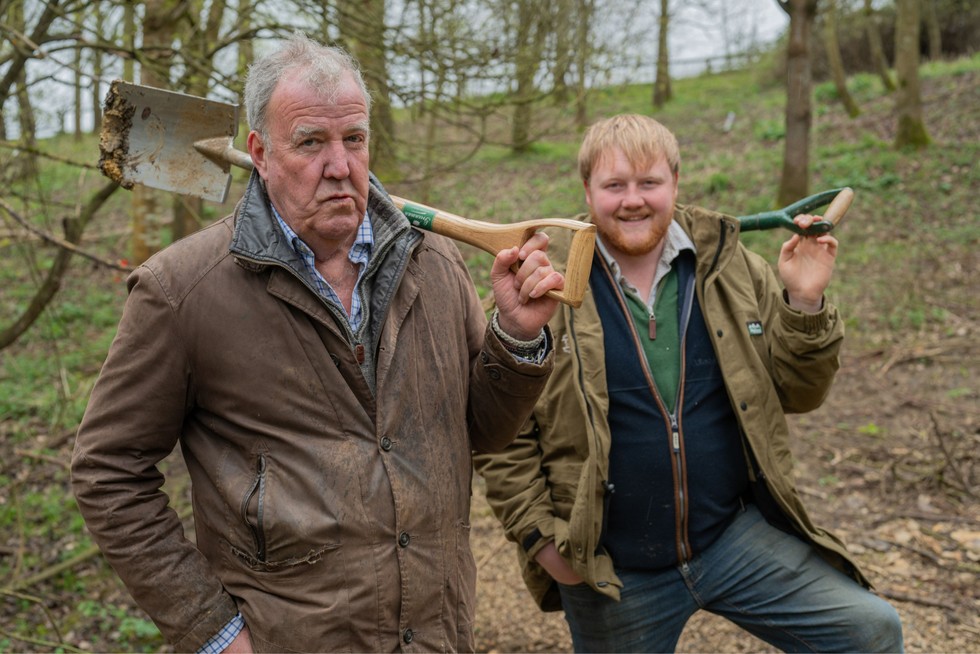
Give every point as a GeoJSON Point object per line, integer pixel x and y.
{"type": "Point", "coordinates": [253, 507]}
{"type": "Point", "coordinates": [267, 513]}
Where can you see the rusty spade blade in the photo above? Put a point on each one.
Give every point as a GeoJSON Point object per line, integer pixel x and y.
{"type": "Point", "coordinates": [149, 135]}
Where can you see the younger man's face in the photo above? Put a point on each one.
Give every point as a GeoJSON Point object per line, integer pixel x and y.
{"type": "Point", "coordinates": [631, 208]}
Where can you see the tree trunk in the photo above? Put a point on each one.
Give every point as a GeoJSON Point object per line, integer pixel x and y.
{"type": "Point", "coordinates": [563, 50]}
{"type": "Point", "coordinates": [148, 206]}
{"type": "Point", "coordinates": [836, 62]}
{"type": "Point", "coordinates": [878, 57]}
{"type": "Point", "coordinates": [187, 210]}
{"type": "Point", "coordinates": [527, 51]}
{"type": "Point", "coordinates": [363, 34]}
{"type": "Point", "coordinates": [911, 130]}
{"type": "Point", "coordinates": [97, 72]}
{"type": "Point", "coordinates": [933, 31]}
{"type": "Point", "coordinates": [795, 181]}
{"type": "Point", "coordinates": [129, 38]}
{"type": "Point", "coordinates": [583, 55]}
{"type": "Point", "coordinates": [77, 74]}
{"type": "Point", "coordinates": [661, 87]}
{"type": "Point", "coordinates": [24, 165]}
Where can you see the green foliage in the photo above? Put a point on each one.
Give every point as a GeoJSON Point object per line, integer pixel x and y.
{"type": "Point", "coordinates": [130, 633]}
{"type": "Point", "coordinates": [770, 130]}
{"type": "Point", "coordinates": [870, 429]}
{"type": "Point", "coordinates": [717, 183]}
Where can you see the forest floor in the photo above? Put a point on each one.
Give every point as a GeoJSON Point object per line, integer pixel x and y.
{"type": "Point", "coordinates": [876, 465]}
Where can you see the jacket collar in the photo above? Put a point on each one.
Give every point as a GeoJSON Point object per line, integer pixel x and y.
{"type": "Point", "coordinates": [258, 239]}
{"type": "Point", "coordinates": [715, 236]}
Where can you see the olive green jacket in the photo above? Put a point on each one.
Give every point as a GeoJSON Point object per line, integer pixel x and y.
{"type": "Point", "coordinates": [551, 479]}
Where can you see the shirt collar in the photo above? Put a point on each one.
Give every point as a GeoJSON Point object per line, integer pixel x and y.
{"type": "Point", "coordinates": [360, 251]}
{"type": "Point", "coordinates": [675, 241]}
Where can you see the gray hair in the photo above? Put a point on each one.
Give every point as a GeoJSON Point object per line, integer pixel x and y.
{"type": "Point", "coordinates": [322, 67]}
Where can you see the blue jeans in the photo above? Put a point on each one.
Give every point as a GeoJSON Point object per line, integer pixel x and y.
{"type": "Point", "coordinates": [768, 582]}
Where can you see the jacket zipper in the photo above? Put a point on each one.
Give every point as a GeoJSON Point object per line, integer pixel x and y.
{"type": "Point", "coordinates": [257, 488]}
{"type": "Point", "coordinates": [676, 435]}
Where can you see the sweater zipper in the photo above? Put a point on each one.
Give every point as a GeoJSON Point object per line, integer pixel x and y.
{"type": "Point", "coordinates": [683, 547]}
{"type": "Point", "coordinates": [675, 436]}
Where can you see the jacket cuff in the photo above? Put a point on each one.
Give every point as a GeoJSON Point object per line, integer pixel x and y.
{"type": "Point", "coordinates": [808, 323]}
{"type": "Point", "coordinates": [207, 627]}
{"type": "Point", "coordinates": [514, 371]}
{"type": "Point", "coordinates": [538, 537]}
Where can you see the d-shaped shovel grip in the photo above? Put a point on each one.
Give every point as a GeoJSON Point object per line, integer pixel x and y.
{"type": "Point", "coordinates": [839, 199]}
{"type": "Point", "coordinates": [494, 237]}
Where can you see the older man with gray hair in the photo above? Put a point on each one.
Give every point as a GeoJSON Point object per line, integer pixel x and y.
{"type": "Point", "coordinates": [327, 370]}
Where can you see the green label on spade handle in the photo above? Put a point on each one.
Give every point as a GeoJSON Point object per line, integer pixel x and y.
{"type": "Point", "coordinates": [419, 216]}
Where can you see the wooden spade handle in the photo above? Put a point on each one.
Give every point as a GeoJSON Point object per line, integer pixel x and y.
{"type": "Point", "coordinates": [494, 237]}
{"type": "Point", "coordinates": [839, 206]}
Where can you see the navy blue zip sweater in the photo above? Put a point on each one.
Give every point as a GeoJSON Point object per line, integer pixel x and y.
{"type": "Point", "coordinates": [677, 478]}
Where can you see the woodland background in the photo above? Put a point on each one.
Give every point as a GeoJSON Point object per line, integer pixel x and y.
{"type": "Point", "coordinates": [479, 111]}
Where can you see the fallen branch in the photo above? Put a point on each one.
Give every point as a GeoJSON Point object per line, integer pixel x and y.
{"type": "Point", "coordinates": [501, 543]}
{"type": "Point", "coordinates": [925, 351]}
{"type": "Point", "coordinates": [55, 647]}
{"type": "Point", "coordinates": [60, 242]}
{"type": "Point", "coordinates": [923, 601]}
{"type": "Point", "coordinates": [951, 463]}
{"type": "Point", "coordinates": [882, 545]}
{"type": "Point", "coordinates": [42, 457]}
{"type": "Point", "coordinates": [54, 625]}
{"type": "Point", "coordinates": [55, 570]}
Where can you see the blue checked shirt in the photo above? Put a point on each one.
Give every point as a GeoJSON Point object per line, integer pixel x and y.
{"type": "Point", "coordinates": [223, 639]}
{"type": "Point", "coordinates": [359, 255]}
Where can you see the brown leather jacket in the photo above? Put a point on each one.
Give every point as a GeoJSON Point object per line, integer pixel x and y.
{"type": "Point", "coordinates": [332, 513]}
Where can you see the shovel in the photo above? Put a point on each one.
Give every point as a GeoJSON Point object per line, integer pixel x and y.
{"type": "Point", "coordinates": [182, 143]}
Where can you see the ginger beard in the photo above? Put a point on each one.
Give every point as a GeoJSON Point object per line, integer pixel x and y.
{"type": "Point", "coordinates": [631, 205]}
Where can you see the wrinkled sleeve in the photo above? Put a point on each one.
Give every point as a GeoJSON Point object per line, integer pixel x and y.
{"type": "Point", "coordinates": [133, 421]}
{"type": "Point", "coordinates": [804, 348]}
{"type": "Point", "coordinates": [502, 389]}
{"type": "Point", "coordinates": [517, 490]}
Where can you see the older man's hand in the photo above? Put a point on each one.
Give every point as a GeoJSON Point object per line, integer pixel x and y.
{"type": "Point", "coordinates": [520, 296]}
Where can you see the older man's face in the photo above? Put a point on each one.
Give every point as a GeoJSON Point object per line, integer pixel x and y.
{"type": "Point", "coordinates": [316, 164]}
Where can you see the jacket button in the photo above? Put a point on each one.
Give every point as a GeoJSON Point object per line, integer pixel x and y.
{"type": "Point", "coordinates": [385, 443]}
{"type": "Point", "coordinates": [408, 636]}
{"type": "Point", "coordinates": [720, 333]}
{"type": "Point", "coordinates": [743, 406]}
{"type": "Point", "coordinates": [484, 357]}
{"type": "Point", "coordinates": [493, 373]}
{"type": "Point", "coordinates": [403, 540]}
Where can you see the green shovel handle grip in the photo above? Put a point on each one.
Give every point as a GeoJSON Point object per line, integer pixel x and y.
{"type": "Point", "coordinates": [838, 198]}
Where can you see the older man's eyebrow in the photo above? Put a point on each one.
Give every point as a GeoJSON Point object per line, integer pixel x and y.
{"type": "Point", "coordinates": [305, 131]}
